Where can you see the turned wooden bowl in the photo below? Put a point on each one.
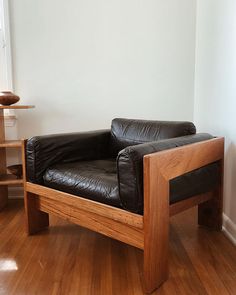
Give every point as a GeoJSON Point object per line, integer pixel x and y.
{"type": "Point", "coordinates": [7, 98]}
{"type": "Point", "coordinates": [15, 170]}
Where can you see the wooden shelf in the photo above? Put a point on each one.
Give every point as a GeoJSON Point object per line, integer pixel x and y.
{"type": "Point", "coordinates": [17, 107]}
{"type": "Point", "coordinates": [9, 179]}
{"type": "Point", "coordinates": [11, 144]}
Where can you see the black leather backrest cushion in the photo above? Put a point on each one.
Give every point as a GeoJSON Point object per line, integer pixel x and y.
{"type": "Point", "coordinates": [127, 132]}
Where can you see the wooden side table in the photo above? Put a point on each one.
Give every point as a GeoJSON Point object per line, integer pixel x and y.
{"type": "Point", "coordinates": [7, 179]}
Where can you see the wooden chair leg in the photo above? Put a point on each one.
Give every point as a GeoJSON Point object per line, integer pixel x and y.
{"type": "Point", "coordinates": [36, 220]}
{"type": "Point", "coordinates": [156, 260]}
{"type": "Point", "coordinates": [156, 229]}
{"type": "Point", "coordinates": [210, 213]}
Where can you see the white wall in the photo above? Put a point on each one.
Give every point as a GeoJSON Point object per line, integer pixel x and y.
{"type": "Point", "coordinates": [5, 48]}
{"type": "Point", "coordinates": [215, 88]}
{"type": "Point", "coordinates": [83, 62]}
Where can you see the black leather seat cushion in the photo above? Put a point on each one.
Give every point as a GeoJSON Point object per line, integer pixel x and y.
{"type": "Point", "coordinates": [95, 180]}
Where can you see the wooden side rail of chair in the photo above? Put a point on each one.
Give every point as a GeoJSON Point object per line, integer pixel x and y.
{"type": "Point", "coordinates": [159, 169]}
{"type": "Point", "coordinates": [148, 232]}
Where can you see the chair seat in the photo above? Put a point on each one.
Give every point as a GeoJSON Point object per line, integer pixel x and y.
{"type": "Point", "coordinates": [95, 180]}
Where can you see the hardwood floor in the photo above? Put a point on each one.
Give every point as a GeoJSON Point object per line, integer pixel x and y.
{"type": "Point", "coordinates": [69, 260]}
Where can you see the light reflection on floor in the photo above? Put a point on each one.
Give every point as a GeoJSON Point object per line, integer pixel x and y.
{"type": "Point", "coordinates": [8, 265]}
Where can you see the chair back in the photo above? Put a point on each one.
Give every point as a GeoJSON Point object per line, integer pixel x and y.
{"type": "Point", "coordinates": [126, 132]}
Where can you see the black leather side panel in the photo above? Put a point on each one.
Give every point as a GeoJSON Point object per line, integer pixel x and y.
{"type": "Point", "coordinates": [196, 182]}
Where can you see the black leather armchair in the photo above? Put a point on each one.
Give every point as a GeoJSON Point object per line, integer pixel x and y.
{"type": "Point", "coordinates": [103, 173]}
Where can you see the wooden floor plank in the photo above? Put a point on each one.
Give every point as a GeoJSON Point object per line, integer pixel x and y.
{"type": "Point", "coordinates": [182, 269]}
{"type": "Point", "coordinates": [216, 272]}
{"type": "Point", "coordinates": [68, 259]}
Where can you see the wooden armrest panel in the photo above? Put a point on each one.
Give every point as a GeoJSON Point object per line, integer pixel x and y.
{"type": "Point", "coordinates": [159, 169]}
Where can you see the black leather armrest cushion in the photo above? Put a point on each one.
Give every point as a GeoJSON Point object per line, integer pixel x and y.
{"type": "Point", "coordinates": [44, 151]}
{"type": "Point", "coordinates": [130, 172]}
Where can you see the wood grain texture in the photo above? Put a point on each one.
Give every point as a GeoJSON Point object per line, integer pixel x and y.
{"type": "Point", "coordinates": [156, 226]}
{"type": "Point", "coordinates": [113, 222]}
{"type": "Point", "coordinates": [177, 161]}
{"type": "Point", "coordinates": [104, 210]}
{"type": "Point", "coordinates": [159, 169]}
{"type": "Point", "coordinates": [106, 226]}
{"type": "Point", "coordinates": [69, 259]}
{"type": "Point", "coordinates": [3, 170]}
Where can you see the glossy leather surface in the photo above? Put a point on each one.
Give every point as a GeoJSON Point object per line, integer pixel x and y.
{"type": "Point", "coordinates": [196, 182]}
{"type": "Point", "coordinates": [86, 164]}
{"type": "Point", "coordinates": [95, 180]}
{"type": "Point", "coordinates": [127, 132]}
{"type": "Point", "coordinates": [45, 151]}
{"type": "Point", "coordinates": [130, 172]}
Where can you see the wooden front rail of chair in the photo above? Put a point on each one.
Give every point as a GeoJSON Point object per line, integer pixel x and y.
{"type": "Point", "coordinates": [150, 231]}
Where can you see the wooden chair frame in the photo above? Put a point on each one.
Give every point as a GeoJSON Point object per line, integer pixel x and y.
{"type": "Point", "coordinates": [150, 231]}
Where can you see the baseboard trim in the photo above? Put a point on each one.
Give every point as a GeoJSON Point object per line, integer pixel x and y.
{"type": "Point", "coordinates": [229, 229]}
